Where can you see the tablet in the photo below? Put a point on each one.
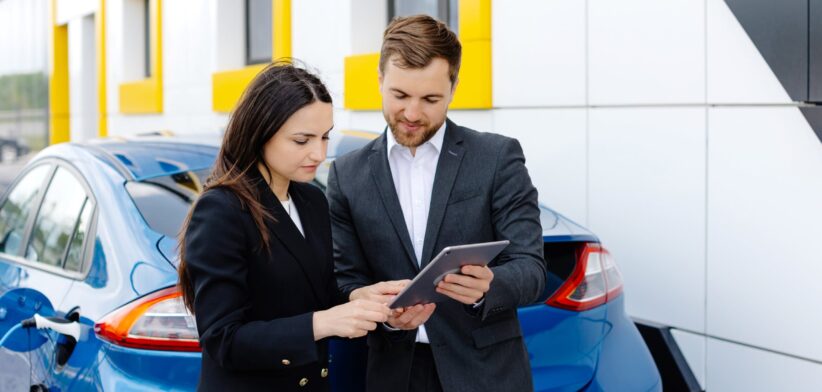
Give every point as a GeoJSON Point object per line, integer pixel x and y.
{"type": "Point", "coordinates": [422, 289]}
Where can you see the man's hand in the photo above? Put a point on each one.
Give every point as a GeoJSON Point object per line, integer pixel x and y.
{"type": "Point", "coordinates": [469, 286]}
{"type": "Point", "coordinates": [411, 317]}
{"type": "Point", "coordinates": [382, 292]}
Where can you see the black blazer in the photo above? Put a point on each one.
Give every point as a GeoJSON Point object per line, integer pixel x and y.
{"type": "Point", "coordinates": [254, 306]}
{"type": "Point", "coordinates": [482, 192]}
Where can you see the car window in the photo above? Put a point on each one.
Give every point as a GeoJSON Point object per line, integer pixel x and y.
{"type": "Point", "coordinates": [164, 201]}
{"type": "Point", "coordinates": [76, 252]}
{"type": "Point", "coordinates": [57, 219]}
{"type": "Point", "coordinates": [18, 207]}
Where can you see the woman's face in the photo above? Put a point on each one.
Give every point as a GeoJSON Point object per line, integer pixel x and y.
{"type": "Point", "coordinates": [300, 145]}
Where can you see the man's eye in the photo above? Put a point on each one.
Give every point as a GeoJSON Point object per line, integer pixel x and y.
{"type": "Point", "coordinates": [429, 100]}
{"type": "Point", "coordinates": [400, 96]}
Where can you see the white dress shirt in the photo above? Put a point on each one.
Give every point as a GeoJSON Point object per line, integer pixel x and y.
{"type": "Point", "coordinates": [414, 180]}
{"type": "Point", "coordinates": [291, 210]}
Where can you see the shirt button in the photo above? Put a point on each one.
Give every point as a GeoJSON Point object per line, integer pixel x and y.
{"type": "Point", "coordinates": [324, 373]}
{"type": "Point", "coordinates": [303, 382]}
{"type": "Point", "coordinates": [286, 362]}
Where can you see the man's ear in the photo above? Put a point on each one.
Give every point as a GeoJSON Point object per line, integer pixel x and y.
{"type": "Point", "coordinates": [454, 89]}
{"type": "Point", "coordinates": [379, 78]}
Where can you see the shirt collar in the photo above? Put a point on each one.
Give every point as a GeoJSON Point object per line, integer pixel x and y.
{"type": "Point", "coordinates": [435, 141]}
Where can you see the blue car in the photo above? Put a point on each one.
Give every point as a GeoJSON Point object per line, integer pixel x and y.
{"type": "Point", "coordinates": [88, 244]}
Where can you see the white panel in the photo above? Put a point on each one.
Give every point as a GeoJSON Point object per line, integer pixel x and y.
{"type": "Point", "coordinates": [368, 19]}
{"type": "Point", "coordinates": [733, 367]}
{"type": "Point", "coordinates": [366, 121]}
{"type": "Point", "coordinates": [228, 34]}
{"type": "Point", "coordinates": [737, 72]}
{"type": "Point", "coordinates": [554, 143]}
{"type": "Point", "coordinates": [647, 203]}
{"type": "Point", "coordinates": [646, 51]}
{"type": "Point", "coordinates": [693, 347]}
{"type": "Point", "coordinates": [132, 44]}
{"type": "Point", "coordinates": [765, 209]}
{"type": "Point", "coordinates": [538, 53]}
{"type": "Point", "coordinates": [478, 120]}
{"type": "Point", "coordinates": [71, 9]}
{"type": "Point", "coordinates": [82, 79]}
{"type": "Point", "coordinates": [320, 36]}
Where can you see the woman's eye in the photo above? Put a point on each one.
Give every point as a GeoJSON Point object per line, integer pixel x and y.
{"type": "Point", "coordinates": [301, 142]}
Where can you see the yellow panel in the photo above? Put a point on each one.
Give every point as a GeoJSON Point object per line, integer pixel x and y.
{"type": "Point", "coordinates": [141, 97]}
{"type": "Point", "coordinates": [362, 87]}
{"type": "Point", "coordinates": [228, 86]}
{"type": "Point", "coordinates": [474, 89]}
{"type": "Point", "coordinates": [474, 20]}
{"type": "Point", "coordinates": [146, 96]}
{"type": "Point", "coordinates": [58, 81]}
{"type": "Point", "coordinates": [102, 101]}
{"type": "Point", "coordinates": [281, 22]}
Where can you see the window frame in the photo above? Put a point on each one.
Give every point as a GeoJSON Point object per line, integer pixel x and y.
{"type": "Point", "coordinates": [91, 232]}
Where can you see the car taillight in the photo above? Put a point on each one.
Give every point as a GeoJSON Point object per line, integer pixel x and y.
{"type": "Point", "coordinates": [594, 281]}
{"type": "Point", "coordinates": [158, 321]}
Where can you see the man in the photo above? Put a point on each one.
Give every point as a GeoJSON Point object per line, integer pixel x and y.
{"type": "Point", "coordinates": [425, 184]}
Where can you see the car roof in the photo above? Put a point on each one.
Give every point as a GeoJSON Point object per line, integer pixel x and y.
{"type": "Point", "coordinates": [139, 159]}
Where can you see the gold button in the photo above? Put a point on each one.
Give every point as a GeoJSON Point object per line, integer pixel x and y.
{"type": "Point", "coordinates": [303, 382]}
{"type": "Point", "coordinates": [286, 362]}
{"type": "Point", "coordinates": [324, 373]}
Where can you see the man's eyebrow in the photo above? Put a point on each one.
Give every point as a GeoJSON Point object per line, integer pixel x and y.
{"type": "Point", "coordinates": [396, 90]}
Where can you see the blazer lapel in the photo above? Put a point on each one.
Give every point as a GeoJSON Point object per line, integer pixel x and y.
{"type": "Point", "coordinates": [384, 182]}
{"type": "Point", "coordinates": [286, 231]}
{"type": "Point", "coordinates": [447, 169]}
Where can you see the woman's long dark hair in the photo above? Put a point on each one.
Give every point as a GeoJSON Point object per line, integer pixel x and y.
{"type": "Point", "coordinates": [276, 93]}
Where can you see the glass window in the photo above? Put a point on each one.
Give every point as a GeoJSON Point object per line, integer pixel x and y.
{"type": "Point", "coordinates": [76, 253]}
{"type": "Point", "coordinates": [164, 201]}
{"type": "Point", "coordinates": [147, 38]}
{"type": "Point", "coordinates": [18, 207]}
{"type": "Point", "coordinates": [444, 10]}
{"type": "Point", "coordinates": [56, 219]}
{"type": "Point", "coordinates": [258, 31]}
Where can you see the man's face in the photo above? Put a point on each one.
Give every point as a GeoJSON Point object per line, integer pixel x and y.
{"type": "Point", "coordinates": [415, 101]}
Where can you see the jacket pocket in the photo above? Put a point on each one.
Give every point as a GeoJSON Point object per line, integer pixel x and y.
{"type": "Point", "coordinates": [496, 333]}
{"type": "Point", "coordinates": [461, 197]}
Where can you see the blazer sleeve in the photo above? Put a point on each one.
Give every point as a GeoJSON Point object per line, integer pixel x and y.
{"type": "Point", "coordinates": [217, 252]}
{"type": "Point", "coordinates": [520, 270]}
{"type": "Point", "coordinates": [350, 267]}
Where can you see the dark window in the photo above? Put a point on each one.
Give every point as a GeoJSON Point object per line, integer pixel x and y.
{"type": "Point", "coordinates": [444, 10]}
{"type": "Point", "coordinates": [18, 207]}
{"type": "Point", "coordinates": [57, 219]}
{"type": "Point", "coordinates": [164, 201]}
{"type": "Point", "coordinates": [258, 31]}
{"type": "Point", "coordinates": [147, 34]}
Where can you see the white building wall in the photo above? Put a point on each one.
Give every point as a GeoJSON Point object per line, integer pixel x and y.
{"type": "Point", "coordinates": [24, 39]}
{"type": "Point", "coordinates": [656, 124]}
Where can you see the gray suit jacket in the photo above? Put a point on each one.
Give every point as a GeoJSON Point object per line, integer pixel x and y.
{"type": "Point", "coordinates": [482, 192]}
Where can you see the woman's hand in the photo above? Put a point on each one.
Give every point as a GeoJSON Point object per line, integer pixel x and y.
{"type": "Point", "coordinates": [350, 320]}
{"type": "Point", "coordinates": [382, 292]}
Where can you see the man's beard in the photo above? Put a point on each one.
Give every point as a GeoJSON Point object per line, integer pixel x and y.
{"type": "Point", "coordinates": [417, 138]}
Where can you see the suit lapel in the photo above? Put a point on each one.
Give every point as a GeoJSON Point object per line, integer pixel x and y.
{"type": "Point", "coordinates": [447, 169]}
{"type": "Point", "coordinates": [384, 182]}
{"type": "Point", "coordinates": [286, 231]}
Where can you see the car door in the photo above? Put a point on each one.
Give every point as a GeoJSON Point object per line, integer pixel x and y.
{"type": "Point", "coordinates": [46, 267]}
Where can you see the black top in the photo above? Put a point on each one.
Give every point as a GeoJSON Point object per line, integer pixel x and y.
{"type": "Point", "coordinates": [254, 306]}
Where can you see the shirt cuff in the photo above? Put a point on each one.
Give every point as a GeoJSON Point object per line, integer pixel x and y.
{"type": "Point", "coordinates": [390, 328]}
{"type": "Point", "coordinates": [479, 303]}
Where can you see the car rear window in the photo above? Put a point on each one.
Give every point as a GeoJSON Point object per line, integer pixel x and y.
{"type": "Point", "coordinates": [164, 201]}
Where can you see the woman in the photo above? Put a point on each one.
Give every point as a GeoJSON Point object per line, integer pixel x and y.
{"type": "Point", "coordinates": [256, 259]}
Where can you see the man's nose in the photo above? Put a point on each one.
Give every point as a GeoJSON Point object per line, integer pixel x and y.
{"type": "Point", "coordinates": [412, 112]}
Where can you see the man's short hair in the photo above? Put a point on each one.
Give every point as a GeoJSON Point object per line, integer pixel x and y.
{"type": "Point", "coordinates": [418, 39]}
